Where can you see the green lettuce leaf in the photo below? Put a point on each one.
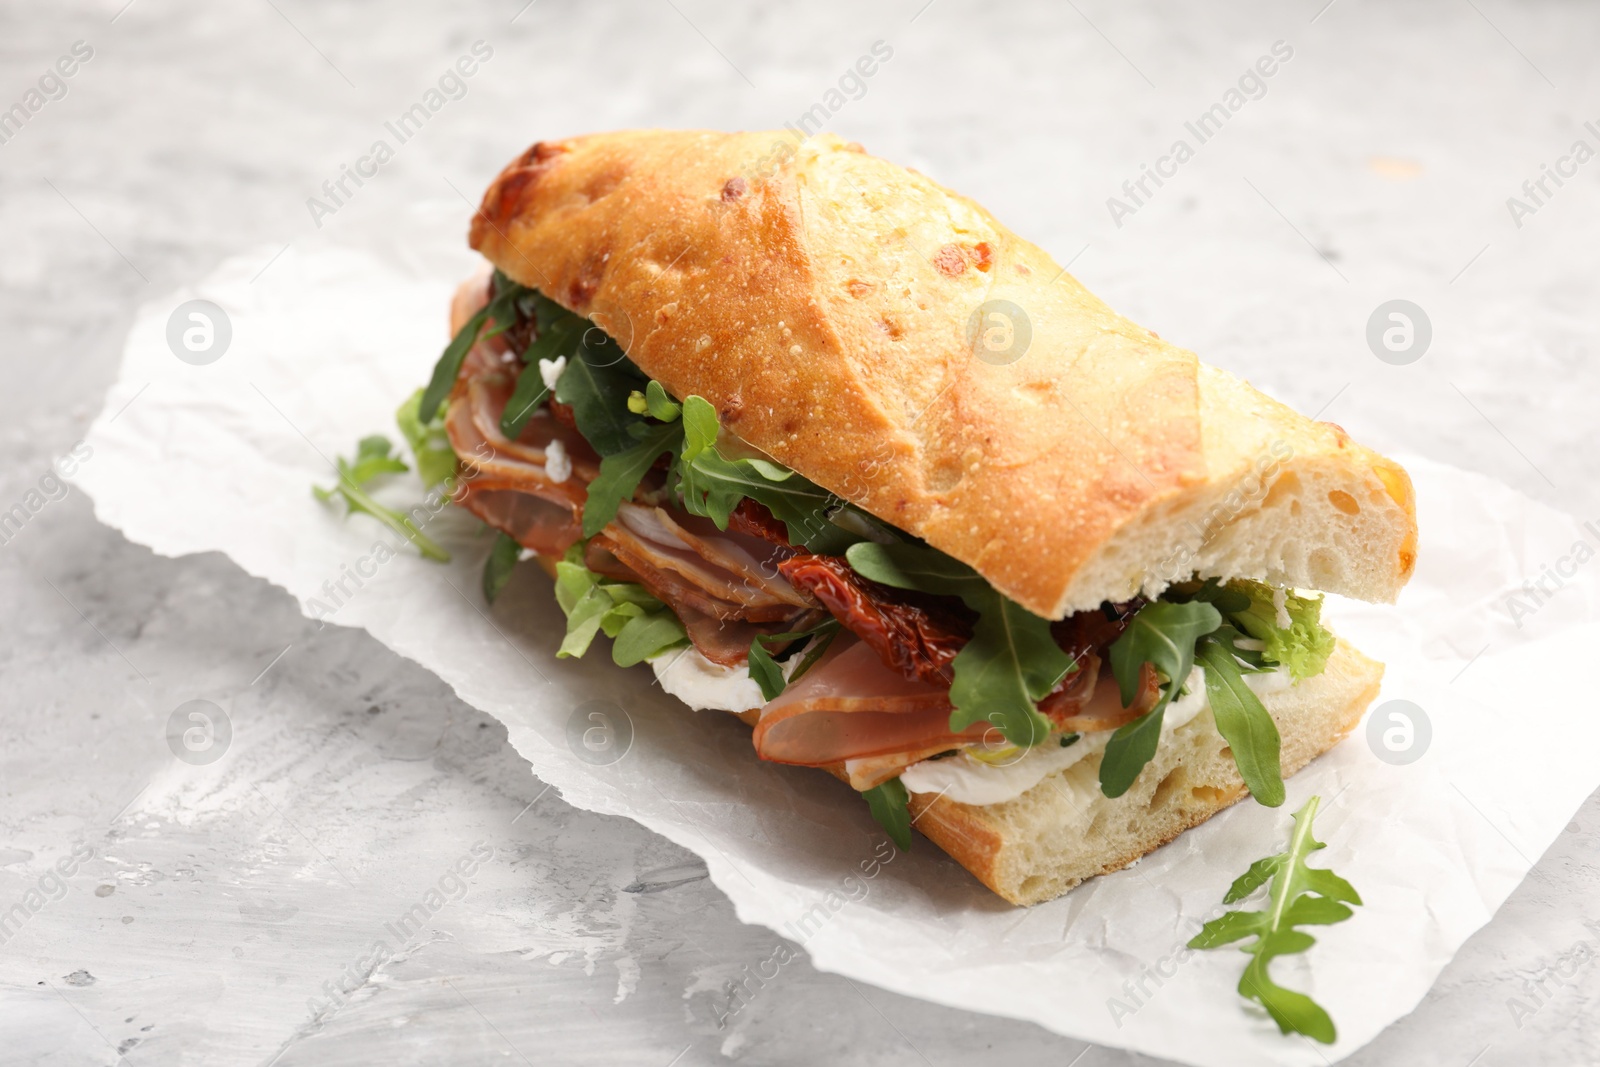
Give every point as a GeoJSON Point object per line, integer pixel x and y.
{"type": "Point", "coordinates": [1304, 646]}
{"type": "Point", "coordinates": [640, 626]}
{"type": "Point", "coordinates": [1301, 895]}
{"type": "Point", "coordinates": [430, 445]}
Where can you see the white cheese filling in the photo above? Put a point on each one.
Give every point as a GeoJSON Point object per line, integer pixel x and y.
{"type": "Point", "coordinates": [974, 781]}
{"type": "Point", "coordinates": [557, 464]}
{"type": "Point", "coordinates": [550, 371]}
{"type": "Point", "coordinates": [707, 686]}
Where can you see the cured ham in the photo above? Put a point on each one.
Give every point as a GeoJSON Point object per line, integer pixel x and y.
{"type": "Point", "coordinates": [503, 482]}
{"type": "Point", "coordinates": [536, 524]}
{"type": "Point", "coordinates": [1099, 705]}
{"type": "Point", "coordinates": [850, 706]}
{"type": "Point", "coordinates": [709, 561]}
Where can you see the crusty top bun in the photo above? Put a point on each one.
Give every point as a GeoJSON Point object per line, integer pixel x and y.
{"type": "Point", "coordinates": [894, 343]}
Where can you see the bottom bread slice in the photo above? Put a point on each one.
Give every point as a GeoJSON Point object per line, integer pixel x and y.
{"type": "Point", "coordinates": [1063, 830]}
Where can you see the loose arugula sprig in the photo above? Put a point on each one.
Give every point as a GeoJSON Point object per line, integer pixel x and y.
{"type": "Point", "coordinates": [888, 804]}
{"type": "Point", "coordinates": [1301, 895]}
{"type": "Point", "coordinates": [374, 456]}
{"type": "Point", "coordinates": [1010, 664]}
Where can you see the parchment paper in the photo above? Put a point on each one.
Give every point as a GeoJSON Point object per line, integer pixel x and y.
{"type": "Point", "coordinates": [326, 344]}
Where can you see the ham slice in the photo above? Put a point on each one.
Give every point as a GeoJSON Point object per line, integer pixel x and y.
{"type": "Point", "coordinates": [537, 524]}
{"type": "Point", "coordinates": [850, 706]}
{"type": "Point", "coordinates": [753, 560]}
{"type": "Point", "coordinates": [727, 641]}
{"type": "Point", "coordinates": [863, 774]}
{"type": "Point", "coordinates": [1100, 708]}
{"type": "Point", "coordinates": [675, 566]}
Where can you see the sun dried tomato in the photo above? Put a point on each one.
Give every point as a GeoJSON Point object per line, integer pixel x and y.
{"type": "Point", "coordinates": [914, 633]}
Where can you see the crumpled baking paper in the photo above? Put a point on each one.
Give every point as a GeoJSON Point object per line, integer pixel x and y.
{"type": "Point", "coordinates": [325, 345]}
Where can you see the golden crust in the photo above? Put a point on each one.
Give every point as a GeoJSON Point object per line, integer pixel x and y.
{"type": "Point", "coordinates": [824, 301]}
{"type": "Point", "coordinates": [822, 305]}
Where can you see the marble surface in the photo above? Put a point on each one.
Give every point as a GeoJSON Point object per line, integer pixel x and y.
{"type": "Point", "coordinates": [228, 915]}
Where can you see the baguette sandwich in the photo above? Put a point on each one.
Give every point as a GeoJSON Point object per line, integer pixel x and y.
{"type": "Point", "coordinates": [830, 448]}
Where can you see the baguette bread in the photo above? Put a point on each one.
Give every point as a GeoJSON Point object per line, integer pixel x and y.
{"type": "Point", "coordinates": [1064, 830]}
{"type": "Point", "coordinates": [835, 307]}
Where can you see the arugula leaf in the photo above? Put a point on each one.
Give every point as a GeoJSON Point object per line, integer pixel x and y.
{"type": "Point", "coordinates": [712, 486]}
{"type": "Point", "coordinates": [621, 471]}
{"type": "Point", "coordinates": [700, 427]}
{"type": "Point", "coordinates": [1162, 634]}
{"type": "Point", "coordinates": [527, 397]}
{"type": "Point", "coordinates": [559, 333]}
{"type": "Point", "coordinates": [502, 311]}
{"type": "Point", "coordinates": [1254, 661]}
{"type": "Point", "coordinates": [430, 445]}
{"type": "Point", "coordinates": [888, 804]}
{"type": "Point", "coordinates": [655, 402]}
{"type": "Point", "coordinates": [769, 675]}
{"type": "Point", "coordinates": [596, 385]}
{"type": "Point", "coordinates": [1225, 598]}
{"type": "Point", "coordinates": [582, 600]}
{"type": "Point", "coordinates": [374, 457]}
{"type": "Point", "coordinates": [641, 626]}
{"type": "Point", "coordinates": [766, 672]}
{"type": "Point", "coordinates": [825, 635]}
{"type": "Point", "coordinates": [907, 566]}
{"type": "Point", "coordinates": [1301, 895]}
{"type": "Point", "coordinates": [646, 636]}
{"type": "Point", "coordinates": [1012, 661]}
{"type": "Point", "coordinates": [498, 567]}
{"type": "Point", "coordinates": [1010, 665]}
{"type": "Point", "coordinates": [1242, 721]}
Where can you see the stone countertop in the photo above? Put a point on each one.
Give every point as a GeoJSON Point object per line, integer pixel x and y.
{"type": "Point", "coordinates": [232, 918]}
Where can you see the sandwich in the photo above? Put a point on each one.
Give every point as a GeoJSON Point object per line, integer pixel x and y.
{"type": "Point", "coordinates": [831, 449]}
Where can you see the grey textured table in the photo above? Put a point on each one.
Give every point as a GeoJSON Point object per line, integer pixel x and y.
{"type": "Point", "coordinates": [1375, 164]}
